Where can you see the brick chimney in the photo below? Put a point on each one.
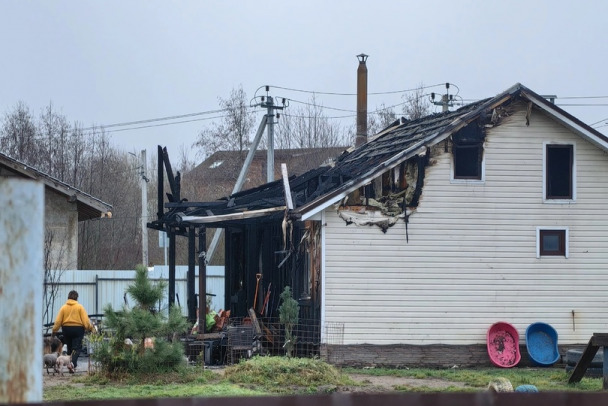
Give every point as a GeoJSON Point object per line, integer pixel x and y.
{"type": "Point", "coordinates": [361, 101]}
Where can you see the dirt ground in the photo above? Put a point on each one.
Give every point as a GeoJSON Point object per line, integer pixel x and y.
{"type": "Point", "coordinates": [369, 383]}
{"type": "Point", "coordinates": [390, 383]}
{"type": "Point", "coordinates": [53, 379]}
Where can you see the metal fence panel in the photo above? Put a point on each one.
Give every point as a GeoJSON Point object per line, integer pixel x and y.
{"type": "Point", "coordinates": [99, 288]}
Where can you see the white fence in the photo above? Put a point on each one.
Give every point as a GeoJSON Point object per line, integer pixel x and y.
{"type": "Point", "coordinates": [97, 289]}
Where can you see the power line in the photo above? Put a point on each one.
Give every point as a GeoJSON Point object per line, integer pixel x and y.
{"type": "Point", "coordinates": [151, 120]}
{"type": "Point", "coordinates": [164, 124]}
{"type": "Point", "coordinates": [583, 97]}
{"type": "Point", "coordinates": [324, 117]}
{"type": "Point", "coordinates": [354, 94]}
{"type": "Point", "coordinates": [321, 106]}
{"type": "Point", "coordinates": [583, 104]}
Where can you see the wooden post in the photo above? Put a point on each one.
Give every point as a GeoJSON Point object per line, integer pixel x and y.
{"type": "Point", "coordinates": [190, 277]}
{"type": "Point", "coordinates": [21, 273]}
{"type": "Point", "coordinates": [605, 369]}
{"type": "Point", "coordinates": [172, 235]}
{"type": "Point", "coordinates": [202, 279]}
{"type": "Point", "coordinates": [161, 177]}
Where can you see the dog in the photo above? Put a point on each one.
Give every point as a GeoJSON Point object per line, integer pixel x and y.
{"type": "Point", "coordinates": [64, 361]}
{"type": "Point", "coordinates": [52, 345]}
{"type": "Point", "coordinates": [50, 361]}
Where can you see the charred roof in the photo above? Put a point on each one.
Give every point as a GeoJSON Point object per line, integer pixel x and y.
{"type": "Point", "coordinates": [320, 187]}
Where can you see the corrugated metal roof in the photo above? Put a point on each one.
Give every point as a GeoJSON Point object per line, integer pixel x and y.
{"type": "Point", "coordinates": [88, 206]}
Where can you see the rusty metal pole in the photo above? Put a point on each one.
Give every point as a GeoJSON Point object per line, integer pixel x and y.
{"type": "Point", "coordinates": [21, 279]}
{"type": "Point", "coordinates": [361, 101]}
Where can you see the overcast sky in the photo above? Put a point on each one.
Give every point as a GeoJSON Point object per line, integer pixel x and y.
{"type": "Point", "coordinates": [108, 62]}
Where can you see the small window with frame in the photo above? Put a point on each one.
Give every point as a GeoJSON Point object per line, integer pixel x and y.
{"type": "Point", "coordinates": [467, 161]}
{"type": "Point", "coordinates": [559, 172]}
{"type": "Point", "coordinates": [552, 242]}
{"type": "Point", "coordinates": [468, 154]}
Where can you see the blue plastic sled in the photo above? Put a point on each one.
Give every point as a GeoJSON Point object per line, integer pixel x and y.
{"type": "Point", "coordinates": [541, 342]}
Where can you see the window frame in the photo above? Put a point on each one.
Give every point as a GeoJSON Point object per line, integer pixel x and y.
{"type": "Point", "coordinates": [559, 199]}
{"type": "Point", "coordinates": [562, 232]}
{"type": "Point", "coordinates": [482, 164]}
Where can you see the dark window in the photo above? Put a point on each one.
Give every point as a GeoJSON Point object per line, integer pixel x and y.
{"type": "Point", "coordinates": [559, 171]}
{"type": "Point", "coordinates": [553, 242]}
{"type": "Point", "coordinates": [467, 161]}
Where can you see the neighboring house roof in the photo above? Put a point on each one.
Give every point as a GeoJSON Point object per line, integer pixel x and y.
{"type": "Point", "coordinates": [322, 187]}
{"type": "Point", "coordinates": [216, 176]}
{"type": "Point", "coordinates": [88, 206]}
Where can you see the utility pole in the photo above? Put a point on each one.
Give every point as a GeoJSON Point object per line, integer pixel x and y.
{"type": "Point", "coordinates": [268, 102]}
{"type": "Point", "coordinates": [446, 99]}
{"type": "Point", "coordinates": [144, 205]}
{"type": "Point", "coordinates": [144, 208]}
{"type": "Point", "coordinates": [267, 121]}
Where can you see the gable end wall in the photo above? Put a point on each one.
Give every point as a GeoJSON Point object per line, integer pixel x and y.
{"type": "Point", "coordinates": [471, 256]}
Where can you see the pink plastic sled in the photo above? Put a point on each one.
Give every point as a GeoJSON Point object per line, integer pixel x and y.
{"type": "Point", "coordinates": [503, 345]}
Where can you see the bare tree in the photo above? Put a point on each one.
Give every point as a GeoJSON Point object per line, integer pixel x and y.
{"type": "Point", "coordinates": [184, 163]}
{"type": "Point", "coordinates": [416, 104]}
{"type": "Point", "coordinates": [232, 133]}
{"type": "Point", "coordinates": [18, 135]}
{"type": "Point", "coordinates": [307, 126]}
{"type": "Point", "coordinates": [111, 176]}
{"type": "Point", "coordinates": [380, 119]}
{"type": "Point", "coordinates": [54, 253]}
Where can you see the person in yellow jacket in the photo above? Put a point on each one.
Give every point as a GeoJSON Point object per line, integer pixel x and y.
{"type": "Point", "coordinates": [73, 321]}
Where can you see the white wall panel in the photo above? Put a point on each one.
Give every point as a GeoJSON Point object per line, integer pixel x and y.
{"type": "Point", "coordinates": [471, 256]}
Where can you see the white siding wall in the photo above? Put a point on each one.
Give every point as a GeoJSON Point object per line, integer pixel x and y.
{"type": "Point", "coordinates": [471, 257]}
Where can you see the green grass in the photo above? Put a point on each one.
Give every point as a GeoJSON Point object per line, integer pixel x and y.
{"type": "Point", "coordinates": [261, 376]}
{"type": "Point", "coordinates": [193, 383]}
{"type": "Point", "coordinates": [287, 375]}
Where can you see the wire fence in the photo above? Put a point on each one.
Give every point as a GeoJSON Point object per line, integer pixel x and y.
{"type": "Point", "coordinates": [244, 337]}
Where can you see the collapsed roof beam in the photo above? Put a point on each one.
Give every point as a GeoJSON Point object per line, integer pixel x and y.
{"type": "Point", "coordinates": [173, 180]}
{"type": "Point", "coordinates": [161, 192]}
{"type": "Point", "coordinates": [228, 217]}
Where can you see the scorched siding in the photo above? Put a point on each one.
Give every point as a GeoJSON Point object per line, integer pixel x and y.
{"type": "Point", "coordinates": [471, 257]}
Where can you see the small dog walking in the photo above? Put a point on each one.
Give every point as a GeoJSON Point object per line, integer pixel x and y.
{"type": "Point", "coordinates": [64, 361]}
{"type": "Point", "coordinates": [50, 361]}
{"type": "Point", "coordinates": [51, 351]}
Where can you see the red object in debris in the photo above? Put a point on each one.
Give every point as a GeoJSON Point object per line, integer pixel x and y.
{"type": "Point", "coordinates": [503, 345]}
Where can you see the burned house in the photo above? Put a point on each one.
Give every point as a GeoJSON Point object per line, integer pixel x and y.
{"type": "Point", "coordinates": [414, 242]}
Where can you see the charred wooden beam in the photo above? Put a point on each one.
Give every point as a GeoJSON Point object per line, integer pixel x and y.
{"type": "Point", "coordinates": [202, 278]}
{"type": "Point", "coordinates": [172, 237]}
{"type": "Point", "coordinates": [190, 277]}
{"type": "Point", "coordinates": [172, 181]}
{"type": "Point", "coordinates": [186, 205]}
{"type": "Point", "coordinates": [160, 176]}
{"type": "Point", "coordinates": [422, 162]}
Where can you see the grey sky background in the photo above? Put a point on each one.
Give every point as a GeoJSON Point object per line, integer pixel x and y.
{"type": "Point", "coordinates": [109, 62]}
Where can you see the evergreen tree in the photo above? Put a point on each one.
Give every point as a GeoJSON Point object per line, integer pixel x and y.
{"type": "Point", "coordinates": [288, 315]}
{"type": "Point", "coordinates": [143, 339]}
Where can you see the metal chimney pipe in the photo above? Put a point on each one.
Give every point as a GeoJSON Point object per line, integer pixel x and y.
{"type": "Point", "coordinates": [361, 101]}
